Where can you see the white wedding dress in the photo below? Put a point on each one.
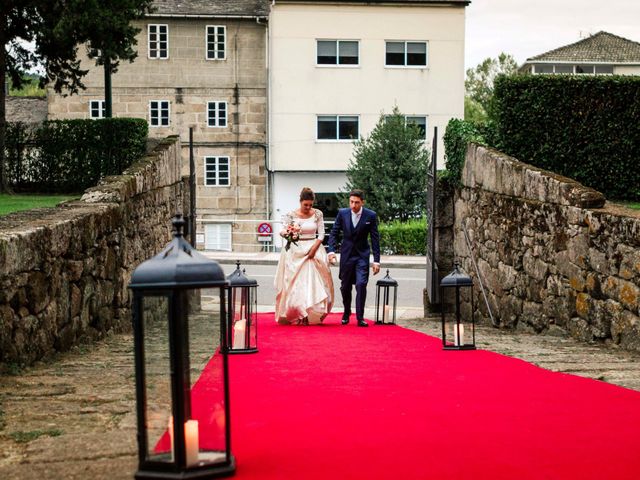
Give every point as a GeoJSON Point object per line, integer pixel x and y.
{"type": "Point", "coordinates": [304, 287]}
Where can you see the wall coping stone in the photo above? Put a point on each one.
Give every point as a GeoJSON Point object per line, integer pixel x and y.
{"type": "Point", "coordinates": [494, 171]}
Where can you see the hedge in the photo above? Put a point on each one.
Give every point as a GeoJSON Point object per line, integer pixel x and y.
{"type": "Point", "coordinates": [408, 238]}
{"type": "Point", "coordinates": [457, 136]}
{"type": "Point", "coordinates": [584, 127]}
{"type": "Point", "coordinates": [68, 156]}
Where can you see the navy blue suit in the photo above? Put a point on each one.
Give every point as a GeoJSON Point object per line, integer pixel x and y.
{"type": "Point", "coordinates": [354, 255]}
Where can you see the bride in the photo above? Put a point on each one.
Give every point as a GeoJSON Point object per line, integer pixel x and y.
{"type": "Point", "coordinates": [304, 287]}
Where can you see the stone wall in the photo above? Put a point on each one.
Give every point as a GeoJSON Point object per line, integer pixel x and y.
{"type": "Point", "coordinates": [64, 271]}
{"type": "Point", "coordinates": [551, 253]}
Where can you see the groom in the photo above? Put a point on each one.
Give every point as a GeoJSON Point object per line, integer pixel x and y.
{"type": "Point", "coordinates": [356, 224]}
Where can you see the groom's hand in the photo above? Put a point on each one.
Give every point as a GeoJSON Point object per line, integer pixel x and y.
{"type": "Point", "coordinates": [376, 268]}
{"type": "Point", "coordinates": [332, 258]}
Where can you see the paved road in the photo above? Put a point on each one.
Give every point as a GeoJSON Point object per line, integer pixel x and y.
{"type": "Point", "coordinates": [411, 282]}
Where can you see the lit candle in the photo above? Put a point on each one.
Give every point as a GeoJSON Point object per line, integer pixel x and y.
{"type": "Point", "coordinates": [458, 335]}
{"type": "Point", "coordinates": [238, 334]}
{"type": "Point", "coordinates": [191, 441]}
{"type": "Point", "coordinates": [385, 314]}
{"type": "Point", "coordinates": [171, 436]}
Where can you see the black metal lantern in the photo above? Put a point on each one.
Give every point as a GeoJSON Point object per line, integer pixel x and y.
{"type": "Point", "coordinates": [242, 326]}
{"type": "Point", "coordinates": [454, 336]}
{"type": "Point", "coordinates": [386, 300]}
{"type": "Point", "coordinates": [183, 427]}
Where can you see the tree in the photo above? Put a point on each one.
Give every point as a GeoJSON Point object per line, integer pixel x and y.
{"type": "Point", "coordinates": [49, 33]}
{"type": "Point", "coordinates": [479, 83]}
{"type": "Point", "coordinates": [390, 165]}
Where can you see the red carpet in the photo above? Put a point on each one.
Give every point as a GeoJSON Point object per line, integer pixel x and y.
{"type": "Point", "coordinates": [342, 402]}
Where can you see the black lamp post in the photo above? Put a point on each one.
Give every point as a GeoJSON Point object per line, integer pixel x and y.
{"type": "Point", "coordinates": [452, 322]}
{"type": "Point", "coordinates": [242, 327]}
{"type": "Point", "coordinates": [386, 300]}
{"type": "Point", "coordinates": [182, 434]}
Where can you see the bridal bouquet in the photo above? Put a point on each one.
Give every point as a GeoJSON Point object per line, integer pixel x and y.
{"type": "Point", "coordinates": [292, 235]}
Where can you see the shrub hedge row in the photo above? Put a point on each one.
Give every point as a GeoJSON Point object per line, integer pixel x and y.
{"type": "Point", "coordinates": [408, 238]}
{"type": "Point", "coordinates": [583, 127]}
{"type": "Point", "coordinates": [457, 136]}
{"type": "Point", "coordinates": [68, 156]}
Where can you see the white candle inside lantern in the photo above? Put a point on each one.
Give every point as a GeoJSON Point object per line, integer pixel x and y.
{"type": "Point", "coordinates": [238, 334]}
{"type": "Point", "coordinates": [171, 436]}
{"type": "Point", "coordinates": [385, 314]}
{"type": "Point", "coordinates": [458, 335]}
{"type": "Point", "coordinates": [191, 441]}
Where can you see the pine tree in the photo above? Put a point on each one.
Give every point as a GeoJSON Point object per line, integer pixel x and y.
{"type": "Point", "coordinates": [390, 165]}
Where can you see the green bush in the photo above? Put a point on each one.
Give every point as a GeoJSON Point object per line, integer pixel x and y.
{"type": "Point", "coordinates": [584, 127]}
{"type": "Point", "coordinates": [457, 136]}
{"type": "Point", "coordinates": [404, 238]}
{"type": "Point", "coordinates": [68, 156]}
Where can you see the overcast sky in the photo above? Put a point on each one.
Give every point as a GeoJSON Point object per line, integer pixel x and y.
{"type": "Point", "coordinates": [527, 28]}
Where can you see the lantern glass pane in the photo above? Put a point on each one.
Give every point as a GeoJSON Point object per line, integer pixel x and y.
{"type": "Point", "coordinates": [205, 428]}
{"type": "Point", "coordinates": [155, 315]}
{"type": "Point", "coordinates": [243, 328]}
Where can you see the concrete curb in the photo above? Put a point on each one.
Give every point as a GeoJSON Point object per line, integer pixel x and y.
{"type": "Point", "coordinates": [272, 259]}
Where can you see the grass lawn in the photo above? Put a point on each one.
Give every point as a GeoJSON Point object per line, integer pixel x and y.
{"type": "Point", "coordinates": [15, 203]}
{"type": "Point", "coordinates": [633, 205]}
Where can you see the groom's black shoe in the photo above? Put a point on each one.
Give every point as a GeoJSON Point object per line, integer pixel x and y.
{"type": "Point", "coordinates": [362, 323]}
{"type": "Point", "coordinates": [345, 320]}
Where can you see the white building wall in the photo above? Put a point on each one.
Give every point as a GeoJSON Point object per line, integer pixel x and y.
{"type": "Point", "coordinates": [626, 70]}
{"type": "Point", "coordinates": [300, 90]}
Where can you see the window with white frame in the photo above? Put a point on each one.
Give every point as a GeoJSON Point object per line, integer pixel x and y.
{"type": "Point", "coordinates": [217, 236]}
{"type": "Point", "coordinates": [338, 52]}
{"type": "Point", "coordinates": [570, 69]}
{"type": "Point", "coordinates": [338, 127]}
{"type": "Point", "coordinates": [158, 37]}
{"type": "Point", "coordinates": [406, 54]}
{"type": "Point", "coordinates": [216, 42]}
{"type": "Point", "coordinates": [159, 113]}
{"type": "Point", "coordinates": [97, 108]}
{"type": "Point", "coordinates": [217, 114]}
{"type": "Point", "coordinates": [419, 121]}
{"type": "Point", "coordinates": [217, 172]}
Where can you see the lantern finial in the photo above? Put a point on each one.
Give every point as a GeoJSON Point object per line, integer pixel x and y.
{"type": "Point", "coordinates": [178, 225]}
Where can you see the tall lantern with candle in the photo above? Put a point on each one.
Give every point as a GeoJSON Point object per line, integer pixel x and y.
{"type": "Point", "coordinates": [183, 426]}
{"type": "Point", "coordinates": [455, 336]}
{"type": "Point", "coordinates": [242, 326]}
{"type": "Point", "coordinates": [386, 299]}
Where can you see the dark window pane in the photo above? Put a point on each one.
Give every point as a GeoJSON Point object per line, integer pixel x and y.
{"type": "Point", "coordinates": [584, 68]}
{"type": "Point", "coordinates": [420, 122]}
{"type": "Point", "coordinates": [416, 53]}
{"type": "Point", "coordinates": [348, 53]}
{"type": "Point", "coordinates": [395, 53]}
{"type": "Point", "coordinates": [348, 128]}
{"type": "Point", "coordinates": [327, 52]}
{"type": "Point", "coordinates": [544, 68]}
{"type": "Point", "coordinates": [604, 69]}
{"type": "Point", "coordinates": [564, 68]}
{"type": "Point", "coordinates": [327, 128]}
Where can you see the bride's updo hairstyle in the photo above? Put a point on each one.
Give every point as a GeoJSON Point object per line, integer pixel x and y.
{"type": "Point", "coordinates": [307, 194]}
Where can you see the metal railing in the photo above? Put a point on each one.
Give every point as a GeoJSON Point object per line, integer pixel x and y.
{"type": "Point", "coordinates": [475, 265]}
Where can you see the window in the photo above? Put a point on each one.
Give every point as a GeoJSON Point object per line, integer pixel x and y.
{"type": "Point", "coordinates": [97, 108]}
{"type": "Point", "coordinates": [337, 52]}
{"type": "Point", "coordinates": [217, 236]}
{"type": "Point", "coordinates": [420, 122]}
{"type": "Point", "coordinates": [217, 114]}
{"type": "Point", "coordinates": [216, 35]}
{"type": "Point", "coordinates": [216, 171]}
{"type": "Point", "coordinates": [158, 41]}
{"type": "Point", "coordinates": [406, 54]}
{"type": "Point", "coordinates": [604, 69]}
{"type": "Point", "coordinates": [588, 69]}
{"type": "Point", "coordinates": [563, 68]}
{"type": "Point", "coordinates": [338, 127]}
{"type": "Point", "coordinates": [159, 113]}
